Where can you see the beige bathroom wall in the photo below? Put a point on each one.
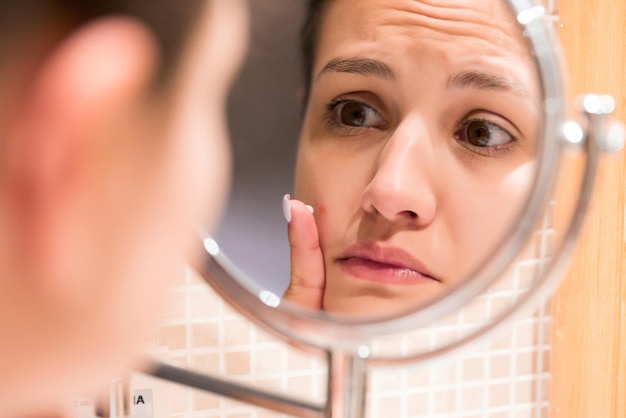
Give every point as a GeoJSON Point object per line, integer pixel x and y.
{"type": "Point", "coordinates": [589, 309]}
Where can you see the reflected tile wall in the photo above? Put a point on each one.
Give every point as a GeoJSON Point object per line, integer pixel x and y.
{"type": "Point", "coordinates": [505, 376]}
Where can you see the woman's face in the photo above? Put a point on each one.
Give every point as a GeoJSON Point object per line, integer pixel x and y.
{"type": "Point", "coordinates": [417, 147]}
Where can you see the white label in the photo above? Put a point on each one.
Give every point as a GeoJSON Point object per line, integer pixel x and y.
{"type": "Point", "coordinates": [141, 407]}
{"type": "Point", "coordinates": [142, 404]}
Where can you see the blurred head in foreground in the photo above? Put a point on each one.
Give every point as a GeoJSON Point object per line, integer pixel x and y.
{"type": "Point", "coordinates": [113, 150]}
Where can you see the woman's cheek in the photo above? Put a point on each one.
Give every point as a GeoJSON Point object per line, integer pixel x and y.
{"type": "Point", "coordinates": [518, 182]}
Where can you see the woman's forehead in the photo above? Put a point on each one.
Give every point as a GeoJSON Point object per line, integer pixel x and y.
{"type": "Point", "coordinates": [442, 33]}
{"type": "Point", "coordinates": [435, 14]}
{"type": "Point", "coordinates": [487, 25]}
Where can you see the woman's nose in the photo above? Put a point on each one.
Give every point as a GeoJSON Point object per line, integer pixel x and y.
{"type": "Point", "coordinates": [402, 188]}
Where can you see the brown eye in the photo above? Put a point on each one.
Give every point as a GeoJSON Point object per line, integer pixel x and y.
{"type": "Point", "coordinates": [353, 114]}
{"type": "Point", "coordinates": [482, 134]}
{"type": "Point", "coordinates": [356, 114]}
{"type": "Point", "coordinates": [478, 133]}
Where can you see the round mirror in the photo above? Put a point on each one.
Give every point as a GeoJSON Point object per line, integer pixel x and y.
{"type": "Point", "coordinates": [416, 144]}
{"type": "Point", "coordinates": [396, 167]}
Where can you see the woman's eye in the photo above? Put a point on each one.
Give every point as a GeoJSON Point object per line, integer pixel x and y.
{"type": "Point", "coordinates": [356, 114]}
{"type": "Point", "coordinates": [482, 133]}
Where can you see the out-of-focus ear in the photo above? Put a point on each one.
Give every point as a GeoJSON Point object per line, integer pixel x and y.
{"type": "Point", "coordinates": [96, 70]}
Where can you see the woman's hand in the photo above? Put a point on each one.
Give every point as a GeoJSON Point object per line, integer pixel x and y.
{"type": "Point", "coordinates": [308, 278]}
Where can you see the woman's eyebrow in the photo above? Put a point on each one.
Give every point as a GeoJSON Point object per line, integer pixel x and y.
{"type": "Point", "coordinates": [363, 66]}
{"type": "Point", "coordinates": [466, 79]}
{"type": "Point", "coordinates": [485, 81]}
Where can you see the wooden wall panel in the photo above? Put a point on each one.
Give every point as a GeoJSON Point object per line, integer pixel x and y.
{"type": "Point", "coordinates": [588, 360]}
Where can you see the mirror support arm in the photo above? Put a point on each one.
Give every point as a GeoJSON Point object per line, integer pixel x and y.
{"type": "Point", "coordinates": [347, 388]}
{"type": "Point", "coordinates": [239, 392]}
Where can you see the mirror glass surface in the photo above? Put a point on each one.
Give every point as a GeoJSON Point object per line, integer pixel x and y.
{"type": "Point", "coordinates": [264, 121]}
{"type": "Point", "coordinates": [409, 128]}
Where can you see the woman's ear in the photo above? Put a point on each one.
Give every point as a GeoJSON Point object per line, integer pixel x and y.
{"type": "Point", "coordinates": [98, 69]}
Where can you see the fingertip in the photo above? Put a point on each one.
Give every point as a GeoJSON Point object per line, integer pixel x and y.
{"type": "Point", "coordinates": [287, 207]}
{"type": "Point", "coordinates": [300, 213]}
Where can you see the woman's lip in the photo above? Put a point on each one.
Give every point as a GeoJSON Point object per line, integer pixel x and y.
{"type": "Point", "coordinates": [372, 262]}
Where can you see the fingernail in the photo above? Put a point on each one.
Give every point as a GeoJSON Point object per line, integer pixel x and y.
{"type": "Point", "coordinates": [310, 208]}
{"type": "Point", "coordinates": [287, 208]}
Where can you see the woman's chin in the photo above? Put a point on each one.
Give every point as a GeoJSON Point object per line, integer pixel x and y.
{"type": "Point", "coordinates": [345, 295]}
{"type": "Point", "coordinates": [367, 306]}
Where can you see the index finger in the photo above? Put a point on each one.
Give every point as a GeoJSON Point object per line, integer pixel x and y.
{"type": "Point", "coordinates": [307, 284]}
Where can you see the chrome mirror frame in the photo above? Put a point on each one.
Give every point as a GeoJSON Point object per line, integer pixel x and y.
{"type": "Point", "coordinates": [344, 340]}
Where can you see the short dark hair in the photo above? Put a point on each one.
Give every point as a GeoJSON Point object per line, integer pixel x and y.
{"type": "Point", "coordinates": [170, 20]}
{"type": "Point", "coordinates": [309, 38]}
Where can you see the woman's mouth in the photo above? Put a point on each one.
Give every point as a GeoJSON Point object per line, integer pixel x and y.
{"type": "Point", "coordinates": [389, 265]}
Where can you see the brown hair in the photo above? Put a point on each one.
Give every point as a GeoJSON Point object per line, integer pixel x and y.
{"type": "Point", "coordinates": [309, 40]}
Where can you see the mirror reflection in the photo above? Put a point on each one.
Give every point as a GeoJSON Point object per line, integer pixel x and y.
{"type": "Point", "coordinates": [416, 148]}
